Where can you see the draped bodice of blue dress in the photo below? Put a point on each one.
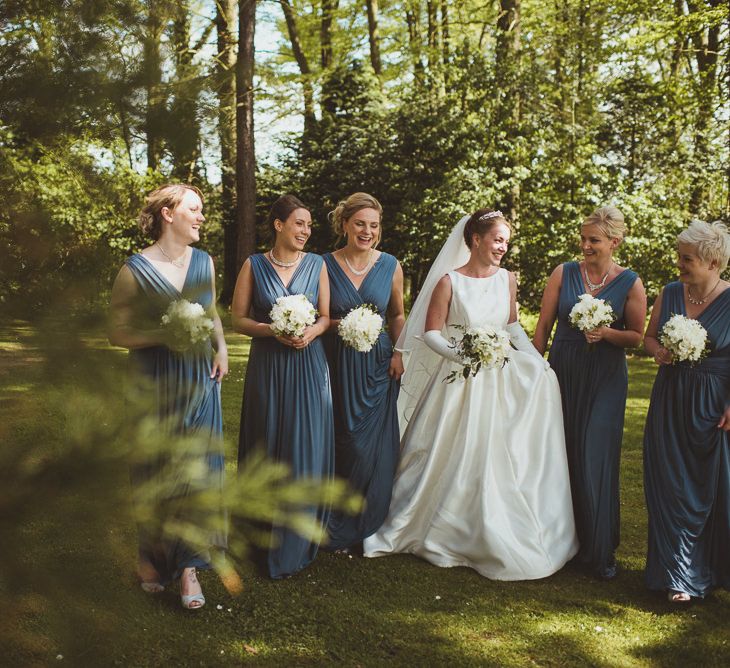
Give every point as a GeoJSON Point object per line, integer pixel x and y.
{"type": "Point", "coordinates": [593, 385]}
{"type": "Point", "coordinates": [287, 405]}
{"type": "Point", "coordinates": [186, 400]}
{"type": "Point", "coordinates": [367, 438]}
{"type": "Point", "coordinates": [687, 460]}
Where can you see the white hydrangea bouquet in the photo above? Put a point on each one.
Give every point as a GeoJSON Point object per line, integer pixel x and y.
{"type": "Point", "coordinates": [187, 324]}
{"type": "Point", "coordinates": [685, 338]}
{"type": "Point", "coordinates": [590, 313]}
{"type": "Point", "coordinates": [361, 327]}
{"type": "Point", "coordinates": [480, 347]}
{"type": "Point", "coordinates": [291, 315]}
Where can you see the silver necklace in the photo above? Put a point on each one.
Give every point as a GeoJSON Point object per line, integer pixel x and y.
{"type": "Point", "coordinates": [595, 286]}
{"type": "Point", "coordinates": [699, 302]}
{"type": "Point", "coordinates": [358, 272]}
{"type": "Point", "coordinates": [279, 263]}
{"type": "Point", "coordinates": [179, 262]}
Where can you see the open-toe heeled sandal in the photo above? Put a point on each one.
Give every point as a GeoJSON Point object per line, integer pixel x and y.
{"type": "Point", "coordinates": [188, 600]}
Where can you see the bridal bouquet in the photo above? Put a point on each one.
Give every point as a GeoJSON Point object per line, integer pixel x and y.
{"type": "Point", "coordinates": [480, 347]}
{"type": "Point", "coordinates": [187, 323]}
{"type": "Point", "coordinates": [685, 338]}
{"type": "Point", "coordinates": [291, 315]}
{"type": "Point", "coordinates": [590, 313]}
{"type": "Point", "coordinates": [361, 327]}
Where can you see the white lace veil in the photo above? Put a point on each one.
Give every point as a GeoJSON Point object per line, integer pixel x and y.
{"type": "Point", "coordinates": [419, 360]}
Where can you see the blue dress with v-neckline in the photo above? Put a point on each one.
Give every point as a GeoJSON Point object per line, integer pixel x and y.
{"type": "Point", "coordinates": [687, 460]}
{"type": "Point", "coordinates": [593, 386]}
{"type": "Point", "coordinates": [186, 400]}
{"type": "Point", "coordinates": [287, 406]}
{"type": "Point", "coordinates": [367, 437]}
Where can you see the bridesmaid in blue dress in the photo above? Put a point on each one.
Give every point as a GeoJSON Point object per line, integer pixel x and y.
{"type": "Point", "coordinates": [364, 385]}
{"type": "Point", "coordinates": [183, 387]}
{"type": "Point", "coordinates": [287, 402]}
{"type": "Point", "coordinates": [592, 372]}
{"type": "Point", "coordinates": [686, 438]}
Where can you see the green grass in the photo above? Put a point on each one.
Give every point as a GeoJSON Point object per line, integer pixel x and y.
{"type": "Point", "coordinates": [71, 589]}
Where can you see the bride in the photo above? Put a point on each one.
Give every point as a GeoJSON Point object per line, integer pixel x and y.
{"type": "Point", "coordinates": [483, 478]}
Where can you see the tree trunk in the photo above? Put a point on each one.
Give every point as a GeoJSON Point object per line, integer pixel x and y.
{"type": "Point", "coordinates": [445, 37]}
{"type": "Point", "coordinates": [226, 87]}
{"type": "Point", "coordinates": [329, 7]}
{"type": "Point", "coordinates": [245, 156]}
{"type": "Point", "coordinates": [183, 129]}
{"type": "Point", "coordinates": [155, 104]}
{"type": "Point", "coordinates": [374, 36]}
{"type": "Point", "coordinates": [507, 70]}
{"type": "Point", "coordinates": [310, 119]}
{"type": "Point", "coordinates": [325, 37]}
{"type": "Point", "coordinates": [706, 44]}
{"type": "Point", "coordinates": [413, 23]}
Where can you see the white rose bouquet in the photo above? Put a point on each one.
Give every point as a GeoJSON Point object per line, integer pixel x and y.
{"type": "Point", "coordinates": [291, 315]}
{"type": "Point", "coordinates": [685, 338]}
{"type": "Point", "coordinates": [480, 347]}
{"type": "Point", "coordinates": [361, 327]}
{"type": "Point", "coordinates": [187, 324]}
{"type": "Point", "coordinates": [590, 313]}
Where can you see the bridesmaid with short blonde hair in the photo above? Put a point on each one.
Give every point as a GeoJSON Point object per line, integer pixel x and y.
{"type": "Point", "coordinates": [687, 433]}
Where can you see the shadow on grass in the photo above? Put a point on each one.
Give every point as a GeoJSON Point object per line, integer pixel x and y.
{"type": "Point", "coordinates": [72, 592]}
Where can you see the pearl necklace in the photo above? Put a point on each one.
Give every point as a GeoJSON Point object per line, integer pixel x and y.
{"type": "Point", "coordinates": [279, 263]}
{"type": "Point", "coordinates": [699, 302]}
{"type": "Point", "coordinates": [595, 286]}
{"type": "Point", "coordinates": [179, 262]}
{"type": "Point", "coordinates": [358, 272]}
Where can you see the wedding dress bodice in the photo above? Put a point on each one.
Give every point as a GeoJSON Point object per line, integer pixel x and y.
{"type": "Point", "coordinates": [476, 302]}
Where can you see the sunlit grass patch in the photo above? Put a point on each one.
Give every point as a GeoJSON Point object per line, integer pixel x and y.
{"type": "Point", "coordinates": [68, 574]}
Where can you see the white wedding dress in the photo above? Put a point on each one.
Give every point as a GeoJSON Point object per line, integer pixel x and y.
{"type": "Point", "coordinates": [483, 478]}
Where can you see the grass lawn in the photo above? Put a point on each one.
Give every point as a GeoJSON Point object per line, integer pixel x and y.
{"type": "Point", "coordinates": [67, 588]}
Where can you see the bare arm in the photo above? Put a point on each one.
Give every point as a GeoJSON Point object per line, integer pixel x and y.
{"type": "Point", "coordinates": [396, 320]}
{"type": "Point", "coordinates": [512, 298]}
{"type": "Point", "coordinates": [634, 318]}
{"type": "Point", "coordinates": [323, 306]}
{"type": "Point", "coordinates": [651, 342]}
{"type": "Point", "coordinates": [438, 308]}
{"type": "Point", "coordinates": [548, 309]}
{"type": "Point", "coordinates": [220, 361]}
{"type": "Point", "coordinates": [241, 306]}
{"type": "Point", "coordinates": [122, 329]}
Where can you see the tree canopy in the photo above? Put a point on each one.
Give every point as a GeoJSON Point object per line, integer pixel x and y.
{"type": "Point", "coordinates": [544, 110]}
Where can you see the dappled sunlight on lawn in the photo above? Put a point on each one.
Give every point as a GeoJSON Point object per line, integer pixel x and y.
{"type": "Point", "coordinates": [77, 596]}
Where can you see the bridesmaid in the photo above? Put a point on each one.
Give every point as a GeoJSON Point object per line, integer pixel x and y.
{"type": "Point", "coordinates": [686, 439]}
{"type": "Point", "coordinates": [364, 385]}
{"type": "Point", "coordinates": [287, 404]}
{"type": "Point", "coordinates": [594, 380]}
{"type": "Point", "coordinates": [185, 386]}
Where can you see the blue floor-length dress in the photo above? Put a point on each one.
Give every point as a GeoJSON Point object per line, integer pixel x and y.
{"type": "Point", "coordinates": [687, 461]}
{"type": "Point", "coordinates": [287, 405]}
{"type": "Point", "coordinates": [187, 402]}
{"type": "Point", "coordinates": [367, 438]}
{"type": "Point", "coordinates": [593, 385]}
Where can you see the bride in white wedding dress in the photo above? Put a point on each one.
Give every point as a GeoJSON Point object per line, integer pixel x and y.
{"type": "Point", "coordinates": [483, 477]}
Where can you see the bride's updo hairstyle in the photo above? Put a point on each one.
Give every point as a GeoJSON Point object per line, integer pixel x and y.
{"type": "Point", "coordinates": [481, 222]}
{"type": "Point", "coordinates": [710, 240]}
{"type": "Point", "coordinates": [609, 220]}
{"type": "Point", "coordinates": [282, 209]}
{"type": "Point", "coordinates": [349, 207]}
{"type": "Point", "coordinates": [167, 196]}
